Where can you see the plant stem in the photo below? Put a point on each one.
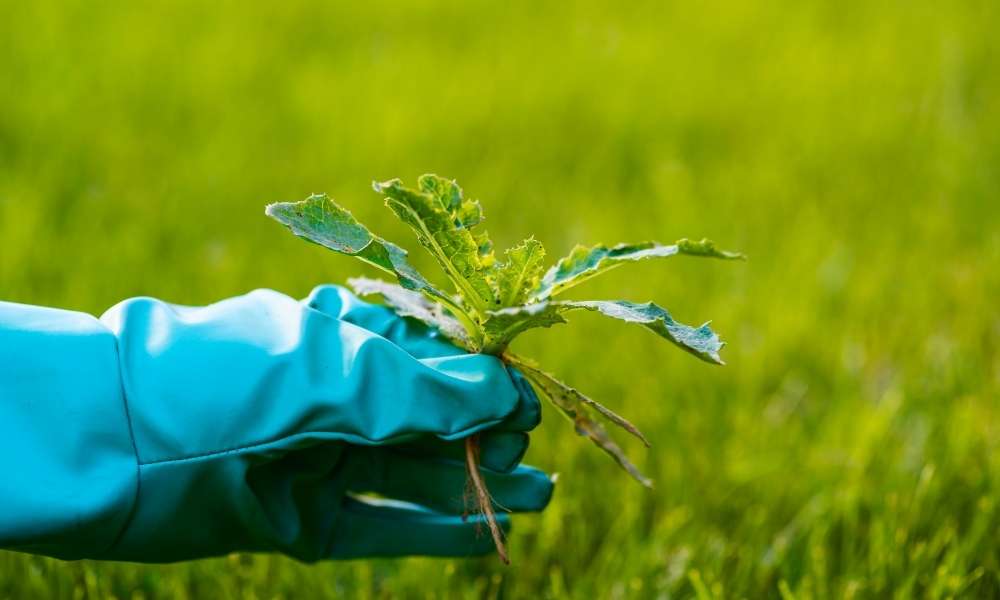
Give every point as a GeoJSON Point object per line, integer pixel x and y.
{"type": "Point", "coordinates": [483, 496]}
{"type": "Point", "coordinates": [463, 317]}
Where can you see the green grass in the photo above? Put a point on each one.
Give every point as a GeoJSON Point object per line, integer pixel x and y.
{"type": "Point", "coordinates": [851, 448]}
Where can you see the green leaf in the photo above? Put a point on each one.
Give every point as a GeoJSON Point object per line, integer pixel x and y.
{"type": "Point", "coordinates": [441, 218]}
{"type": "Point", "coordinates": [406, 303]}
{"type": "Point", "coordinates": [322, 221]}
{"type": "Point", "coordinates": [502, 326]}
{"type": "Point", "coordinates": [520, 272]}
{"type": "Point", "coordinates": [583, 263]}
{"type": "Point", "coordinates": [485, 245]}
{"type": "Point", "coordinates": [574, 406]}
{"type": "Point", "coordinates": [700, 341]}
{"type": "Point", "coordinates": [706, 247]}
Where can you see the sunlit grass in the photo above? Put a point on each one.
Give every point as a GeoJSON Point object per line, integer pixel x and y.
{"type": "Point", "coordinates": [849, 448]}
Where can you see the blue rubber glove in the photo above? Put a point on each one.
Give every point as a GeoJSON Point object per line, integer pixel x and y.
{"type": "Point", "coordinates": [162, 433]}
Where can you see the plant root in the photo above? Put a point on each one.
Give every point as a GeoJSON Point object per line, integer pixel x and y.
{"type": "Point", "coordinates": [483, 498]}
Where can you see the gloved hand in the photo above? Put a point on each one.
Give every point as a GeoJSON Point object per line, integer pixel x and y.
{"type": "Point", "coordinates": [167, 433]}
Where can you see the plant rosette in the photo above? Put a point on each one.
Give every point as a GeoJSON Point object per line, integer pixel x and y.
{"type": "Point", "coordinates": [493, 300]}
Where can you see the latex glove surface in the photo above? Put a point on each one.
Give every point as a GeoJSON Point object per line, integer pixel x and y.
{"type": "Point", "coordinates": [162, 433]}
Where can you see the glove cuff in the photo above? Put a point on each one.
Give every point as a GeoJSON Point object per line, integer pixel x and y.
{"type": "Point", "coordinates": [70, 471]}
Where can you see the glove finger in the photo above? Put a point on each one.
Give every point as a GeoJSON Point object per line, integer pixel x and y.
{"type": "Point", "coordinates": [413, 336]}
{"type": "Point", "coordinates": [499, 451]}
{"type": "Point", "coordinates": [476, 394]}
{"type": "Point", "coordinates": [440, 484]}
{"type": "Point", "coordinates": [370, 528]}
{"type": "Point", "coordinates": [528, 413]}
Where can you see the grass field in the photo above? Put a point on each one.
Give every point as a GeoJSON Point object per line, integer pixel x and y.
{"type": "Point", "coordinates": [851, 447]}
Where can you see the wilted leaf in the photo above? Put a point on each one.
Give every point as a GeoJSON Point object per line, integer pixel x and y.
{"type": "Point", "coordinates": [573, 395]}
{"type": "Point", "coordinates": [584, 263]}
{"type": "Point", "coordinates": [700, 341]}
{"type": "Point", "coordinates": [406, 303]}
{"type": "Point", "coordinates": [574, 405]}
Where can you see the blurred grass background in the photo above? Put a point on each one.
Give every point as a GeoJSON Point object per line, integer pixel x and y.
{"type": "Point", "coordinates": [852, 149]}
